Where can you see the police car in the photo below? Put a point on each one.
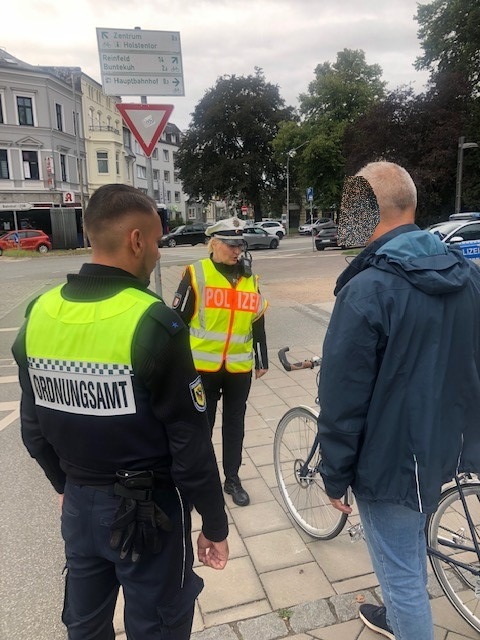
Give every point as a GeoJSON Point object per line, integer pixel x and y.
{"type": "Point", "coordinates": [462, 231]}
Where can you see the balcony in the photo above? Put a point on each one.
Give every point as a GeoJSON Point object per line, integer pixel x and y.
{"type": "Point", "coordinates": [103, 128]}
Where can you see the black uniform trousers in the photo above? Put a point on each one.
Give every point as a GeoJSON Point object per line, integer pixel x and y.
{"type": "Point", "coordinates": [234, 387]}
{"type": "Point", "coordinates": [159, 590]}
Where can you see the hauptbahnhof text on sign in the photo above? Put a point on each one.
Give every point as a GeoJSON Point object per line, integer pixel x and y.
{"type": "Point", "coordinates": [136, 62]}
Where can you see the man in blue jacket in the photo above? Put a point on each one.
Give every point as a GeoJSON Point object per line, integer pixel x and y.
{"type": "Point", "coordinates": [399, 393]}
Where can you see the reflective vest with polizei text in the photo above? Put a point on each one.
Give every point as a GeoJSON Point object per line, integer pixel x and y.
{"type": "Point", "coordinates": [80, 353]}
{"type": "Point", "coordinates": [221, 326]}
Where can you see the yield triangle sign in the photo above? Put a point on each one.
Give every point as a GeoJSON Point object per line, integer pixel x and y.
{"type": "Point", "coordinates": [146, 122]}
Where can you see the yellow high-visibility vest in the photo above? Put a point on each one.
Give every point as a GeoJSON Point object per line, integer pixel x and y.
{"type": "Point", "coordinates": [221, 326]}
{"type": "Point", "coordinates": [80, 353]}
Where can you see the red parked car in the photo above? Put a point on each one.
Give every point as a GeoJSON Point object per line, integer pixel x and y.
{"type": "Point", "coordinates": [29, 239]}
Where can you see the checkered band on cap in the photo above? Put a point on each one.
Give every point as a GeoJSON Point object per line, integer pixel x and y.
{"type": "Point", "coordinates": [72, 366]}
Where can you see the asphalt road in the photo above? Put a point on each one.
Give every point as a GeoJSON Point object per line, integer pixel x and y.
{"type": "Point", "coordinates": [298, 282]}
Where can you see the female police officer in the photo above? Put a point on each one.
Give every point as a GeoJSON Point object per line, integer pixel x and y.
{"type": "Point", "coordinates": [219, 299]}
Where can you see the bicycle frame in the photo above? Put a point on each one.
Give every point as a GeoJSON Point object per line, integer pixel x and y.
{"type": "Point", "coordinates": [460, 547]}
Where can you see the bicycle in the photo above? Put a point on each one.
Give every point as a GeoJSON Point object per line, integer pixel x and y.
{"type": "Point", "coordinates": [452, 532]}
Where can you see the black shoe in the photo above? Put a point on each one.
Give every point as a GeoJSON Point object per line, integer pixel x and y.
{"type": "Point", "coordinates": [376, 619]}
{"type": "Point", "coordinates": [238, 493]}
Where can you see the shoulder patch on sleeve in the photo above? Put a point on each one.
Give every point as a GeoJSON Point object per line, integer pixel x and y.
{"type": "Point", "coordinates": [165, 316]}
{"type": "Point", "coordinates": [198, 394]}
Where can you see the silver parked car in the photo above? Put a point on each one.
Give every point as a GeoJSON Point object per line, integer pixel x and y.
{"type": "Point", "coordinates": [315, 226]}
{"type": "Point", "coordinates": [257, 238]}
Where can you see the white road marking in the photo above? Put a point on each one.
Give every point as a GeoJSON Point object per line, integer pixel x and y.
{"type": "Point", "coordinates": [14, 409]}
{"type": "Point", "coordinates": [9, 329]}
{"type": "Point", "coordinates": [8, 380]}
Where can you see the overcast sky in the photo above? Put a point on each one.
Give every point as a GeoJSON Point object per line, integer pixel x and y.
{"type": "Point", "coordinates": [286, 38]}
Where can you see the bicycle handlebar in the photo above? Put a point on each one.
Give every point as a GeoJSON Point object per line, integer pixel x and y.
{"type": "Point", "coordinates": [296, 366]}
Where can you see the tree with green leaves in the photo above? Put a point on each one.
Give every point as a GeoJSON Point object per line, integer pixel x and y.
{"type": "Point", "coordinates": [420, 132]}
{"type": "Point", "coordinates": [338, 95]}
{"type": "Point", "coordinates": [343, 90]}
{"type": "Point", "coordinates": [227, 150]}
{"type": "Point", "coordinates": [449, 33]}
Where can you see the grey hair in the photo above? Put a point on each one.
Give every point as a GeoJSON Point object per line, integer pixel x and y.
{"type": "Point", "coordinates": [392, 184]}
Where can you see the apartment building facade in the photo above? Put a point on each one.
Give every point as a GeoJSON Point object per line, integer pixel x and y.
{"type": "Point", "coordinates": [41, 137]}
{"type": "Point", "coordinates": [52, 116]}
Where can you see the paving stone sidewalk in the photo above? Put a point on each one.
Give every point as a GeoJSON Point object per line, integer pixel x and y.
{"type": "Point", "coordinates": [279, 582]}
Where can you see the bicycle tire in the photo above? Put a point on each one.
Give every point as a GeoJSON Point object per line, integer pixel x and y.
{"type": "Point", "coordinates": [449, 523]}
{"type": "Point", "coordinates": [305, 499]}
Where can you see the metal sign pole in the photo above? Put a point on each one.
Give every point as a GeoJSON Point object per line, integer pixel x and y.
{"type": "Point", "coordinates": [157, 272]}
{"type": "Point", "coordinates": [311, 221]}
{"type": "Point", "coordinates": [154, 65]}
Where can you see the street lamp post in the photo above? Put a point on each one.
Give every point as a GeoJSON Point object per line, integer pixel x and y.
{"type": "Point", "coordinates": [291, 154]}
{"type": "Point", "coordinates": [458, 191]}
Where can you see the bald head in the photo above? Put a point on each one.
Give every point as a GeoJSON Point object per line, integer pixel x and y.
{"type": "Point", "coordinates": [395, 192]}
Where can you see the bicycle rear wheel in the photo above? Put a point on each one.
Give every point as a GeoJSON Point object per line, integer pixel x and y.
{"type": "Point", "coordinates": [305, 496]}
{"type": "Point", "coordinates": [448, 532]}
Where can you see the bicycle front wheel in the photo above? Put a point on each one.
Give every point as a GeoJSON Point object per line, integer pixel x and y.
{"type": "Point", "coordinates": [448, 533]}
{"type": "Point", "coordinates": [304, 495]}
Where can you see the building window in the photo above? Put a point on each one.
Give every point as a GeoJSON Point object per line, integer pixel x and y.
{"type": "Point", "coordinates": [90, 117]}
{"type": "Point", "coordinates": [166, 176]}
{"type": "Point", "coordinates": [166, 155]}
{"type": "Point", "coordinates": [4, 172]}
{"type": "Point", "coordinates": [2, 121]}
{"type": "Point", "coordinates": [127, 138]}
{"type": "Point", "coordinates": [30, 165]}
{"type": "Point", "coordinates": [177, 196]}
{"type": "Point", "coordinates": [141, 171]}
{"type": "Point", "coordinates": [155, 154]}
{"type": "Point", "coordinates": [176, 175]}
{"type": "Point", "coordinates": [99, 118]}
{"type": "Point", "coordinates": [63, 167]}
{"type": "Point", "coordinates": [102, 161]}
{"type": "Point", "coordinates": [59, 116]}
{"type": "Point", "coordinates": [25, 111]}
{"type": "Point", "coordinates": [117, 163]}
{"type": "Point", "coordinates": [156, 175]}
{"type": "Point", "coordinates": [109, 121]}
{"type": "Point", "coordinates": [169, 196]}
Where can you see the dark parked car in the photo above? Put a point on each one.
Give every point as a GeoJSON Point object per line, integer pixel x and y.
{"type": "Point", "coordinates": [29, 239]}
{"type": "Point", "coordinates": [185, 234]}
{"type": "Point", "coordinates": [326, 237]}
{"type": "Point", "coordinates": [257, 238]}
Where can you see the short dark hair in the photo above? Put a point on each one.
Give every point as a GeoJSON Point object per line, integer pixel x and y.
{"type": "Point", "coordinates": [113, 201]}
